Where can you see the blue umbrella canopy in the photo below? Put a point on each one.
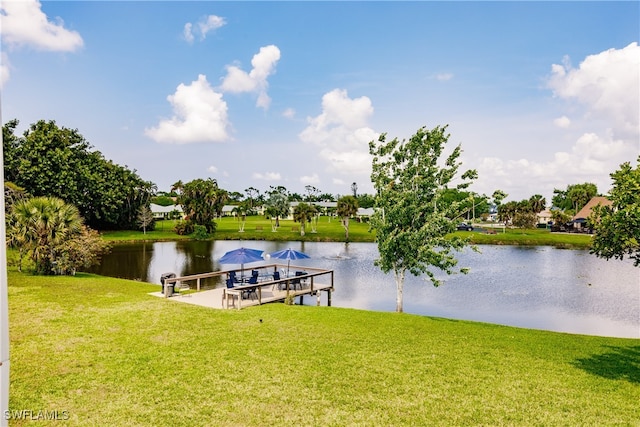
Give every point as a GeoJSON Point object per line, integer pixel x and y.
{"type": "Point", "coordinates": [241, 256]}
{"type": "Point", "coordinates": [289, 254]}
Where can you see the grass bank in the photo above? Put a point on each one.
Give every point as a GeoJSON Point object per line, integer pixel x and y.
{"type": "Point", "coordinates": [109, 354]}
{"type": "Point", "coordinates": [331, 230]}
{"type": "Point", "coordinates": [529, 237]}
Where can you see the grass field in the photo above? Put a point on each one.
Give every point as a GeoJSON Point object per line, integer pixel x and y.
{"type": "Point", "coordinates": [331, 230]}
{"type": "Point", "coordinates": [106, 352]}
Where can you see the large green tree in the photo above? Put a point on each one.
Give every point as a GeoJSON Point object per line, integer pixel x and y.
{"type": "Point", "coordinates": [346, 208]}
{"type": "Point", "coordinates": [202, 202]}
{"type": "Point", "coordinates": [277, 205]}
{"type": "Point", "coordinates": [617, 227]}
{"type": "Point", "coordinates": [522, 214]}
{"type": "Point", "coordinates": [574, 197]}
{"type": "Point", "coordinates": [55, 161]}
{"type": "Point", "coordinates": [412, 221]}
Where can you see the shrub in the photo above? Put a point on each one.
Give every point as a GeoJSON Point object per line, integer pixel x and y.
{"type": "Point", "coordinates": [525, 220]}
{"type": "Point", "coordinates": [184, 228]}
{"type": "Point", "coordinates": [81, 251]}
{"type": "Point", "coordinates": [200, 232]}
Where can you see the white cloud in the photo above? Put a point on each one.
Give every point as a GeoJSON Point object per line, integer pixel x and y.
{"type": "Point", "coordinates": [212, 169]}
{"type": "Point", "coordinates": [337, 181]}
{"type": "Point", "coordinates": [212, 22]}
{"type": "Point", "coordinates": [606, 84]}
{"type": "Point", "coordinates": [267, 176]}
{"type": "Point", "coordinates": [203, 26]}
{"type": "Point", "coordinates": [289, 113]}
{"type": "Point", "coordinates": [591, 159]}
{"type": "Point", "coordinates": [310, 179]}
{"type": "Point", "coordinates": [605, 90]}
{"type": "Point", "coordinates": [200, 115]}
{"type": "Point", "coordinates": [444, 77]}
{"type": "Point", "coordinates": [187, 32]}
{"type": "Point", "coordinates": [5, 69]}
{"type": "Point", "coordinates": [24, 24]}
{"type": "Point", "coordinates": [264, 64]}
{"type": "Point", "coordinates": [342, 134]}
{"type": "Point", "coordinates": [562, 122]}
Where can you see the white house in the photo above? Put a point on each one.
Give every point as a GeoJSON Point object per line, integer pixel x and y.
{"type": "Point", "coordinates": [164, 212]}
{"type": "Point", "coordinates": [544, 217]}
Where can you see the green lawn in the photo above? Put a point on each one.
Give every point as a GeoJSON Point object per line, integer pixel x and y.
{"type": "Point", "coordinates": [109, 354]}
{"type": "Point", "coordinates": [258, 228]}
{"type": "Point", "coordinates": [529, 237]}
{"type": "Point", "coordinates": [331, 230]}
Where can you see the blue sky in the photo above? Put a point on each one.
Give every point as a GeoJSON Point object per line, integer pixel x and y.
{"type": "Point", "coordinates": [539, 94]}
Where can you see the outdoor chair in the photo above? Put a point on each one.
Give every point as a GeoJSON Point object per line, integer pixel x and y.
{"type": "Point", "coordinates": [233, 277]}
{"type": "Point", "coordinates": [276, 277]}
{"type": "Point", "coordinates": [247, 293]}
{"type": "Point", "coordinates": [297, 281]}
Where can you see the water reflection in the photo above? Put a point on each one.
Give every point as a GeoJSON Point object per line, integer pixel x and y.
{"type": "Point", "coordinates": [533, 287]}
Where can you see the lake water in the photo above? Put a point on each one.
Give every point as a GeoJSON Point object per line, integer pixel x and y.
{"type": "Point", "coordinates": [532, 287]}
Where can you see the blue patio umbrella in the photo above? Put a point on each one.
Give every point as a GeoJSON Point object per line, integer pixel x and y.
{"type": "Point", "coordinates": [241, 256]}
{"type": "Point", "coordinates": [289, 254]}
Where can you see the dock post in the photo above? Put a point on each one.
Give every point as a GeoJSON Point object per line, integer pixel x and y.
{"type": "Point", "coordinates": [198, 284]}
{"type": "Point", "coordinates": [329, 297]}
{"type": "Point", "coordinates": [318, 293]}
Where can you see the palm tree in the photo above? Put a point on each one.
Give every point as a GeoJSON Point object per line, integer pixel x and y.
{"type": "Point", "coordinates": [347, 207]}
{"type": "Point", "coordinates": [16, 237]}
{"type": "Point", "coordinates": [303, 214]}
{"type": "Point", "coordinates": [241, 214]}
{"type": "Point", "coordinates": [270, 212]}
{"type": "Point", "coordinates": [40, 225]}
{"type": "Point", "coordinates": [177, 187]}
{"type": "Point", "coordinates": [538, 203]}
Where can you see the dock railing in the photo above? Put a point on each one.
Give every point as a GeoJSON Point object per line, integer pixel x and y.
{"type": "Point", "coordinates": [311, 274]}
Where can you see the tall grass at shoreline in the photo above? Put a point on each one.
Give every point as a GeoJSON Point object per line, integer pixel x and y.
{"type": "Point", "coordinates": [108, 353]}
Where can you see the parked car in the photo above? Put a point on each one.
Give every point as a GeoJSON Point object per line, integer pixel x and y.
{"type": "Point", "coordinates": [465, 227]}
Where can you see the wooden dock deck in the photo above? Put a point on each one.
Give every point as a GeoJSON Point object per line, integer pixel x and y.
{"type": "Point", "coordinates": [312, 283]}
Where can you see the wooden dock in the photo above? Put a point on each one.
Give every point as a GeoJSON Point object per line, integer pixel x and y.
{"type": "Point", "coordinates": [312, 283]}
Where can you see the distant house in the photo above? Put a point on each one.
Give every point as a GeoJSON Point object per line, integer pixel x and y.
{"type": "Point", "coordinates": [323, 207]}
{"type": "Point", "coordinates": [544, 217]}
{"type": "Point", "coordinates": [227, 210]}
{"type": "Point", "coordinates": [364, 214]}
{"type": "Point", "coordinates": [579, 220]}
{"type": "Point", "coordinates": [164, 212]}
